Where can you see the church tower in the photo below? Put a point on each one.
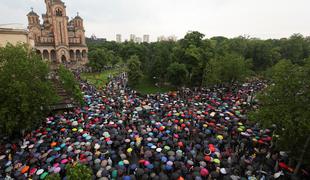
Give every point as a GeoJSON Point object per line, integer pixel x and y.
{"type": "Point", "coordinates": [57, 39]}
{"type": "Point", "coordinates": [57, 10]}
{"type": "Point", "coordinates": [34, 25]}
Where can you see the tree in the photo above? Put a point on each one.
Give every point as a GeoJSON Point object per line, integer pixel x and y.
{"type": "Point", "coordinates": [177, 74]}
{"type": "Point", "coordinates": [192, 38]}
{"type": "Point", "coordinates": [160, 60]}
{"type": "Point", "coordinates": [134, 70]}
{"type": "Point", "coordinates": [226, 69]}
{"type": "Point", "coordinates": [25, 91]}
{"type": "Point", "coordinates": [79, 172]}
{"type": "Point", "coordinates": [99, 58]}
{"type": "Point", "coordinates": [286, 103]}
{"type": "Point", "coordinates": [70, 84]}
{"type": "Point", "coordinates": [261, 52]}
{"type": "Point", "coordinates": [294, 48]}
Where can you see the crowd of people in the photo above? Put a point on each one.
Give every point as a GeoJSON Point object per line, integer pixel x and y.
{"type": "Point", "coordinates": [191, 134]}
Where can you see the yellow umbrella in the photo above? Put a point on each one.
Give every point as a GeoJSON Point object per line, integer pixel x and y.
{"type": "Point", "coordinates": [217, 161]}
{"type": "Point", "coordinates": [129, 150]}
{"type": "Point", "coordinates": [220, 137]}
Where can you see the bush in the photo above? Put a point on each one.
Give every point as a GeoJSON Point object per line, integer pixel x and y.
{"type": "Point", "coordinates": [78, 172]}
{"type": "Point", "coordinates": [70, 84]}
{"type": "Point", "coordinates": [53, 177]}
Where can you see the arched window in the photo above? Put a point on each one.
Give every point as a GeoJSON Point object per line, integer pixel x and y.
{"type": "Point", "coordinates": [53, 56]}
{"type": "Point", "coordinates": [46, 54]}
{"type": "Point", "coordinates": [78, 55]}
{"type": "Point", "coordinates": [58, 12]}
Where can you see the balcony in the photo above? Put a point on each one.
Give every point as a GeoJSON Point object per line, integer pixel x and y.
{"type": "Point", "coordinates": [74, 40]}
{"type": "Point", "coordinates": [45, 41]}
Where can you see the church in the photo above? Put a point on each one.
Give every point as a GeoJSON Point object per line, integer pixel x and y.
{"type": "Point", "coordinates": [57, 39]}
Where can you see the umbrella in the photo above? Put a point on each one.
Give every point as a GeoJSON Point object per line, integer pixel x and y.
{"type": "Point", "coordinates": [43, 176]}
{"type": "Point", "coordinates": [171, 153]}
{"type": "Point", "coordinates": [39, 172]}
{"type": "Point", "coordinates": [204, 172]}
{"type": "Point", "coordinates": [25, 169]}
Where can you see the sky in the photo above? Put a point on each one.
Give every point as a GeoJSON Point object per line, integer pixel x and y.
{"type": "Point", "coordinates": [231, 18]}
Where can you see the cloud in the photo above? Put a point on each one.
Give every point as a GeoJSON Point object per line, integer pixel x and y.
{"type": "Point", "coordinates": [105, 18]}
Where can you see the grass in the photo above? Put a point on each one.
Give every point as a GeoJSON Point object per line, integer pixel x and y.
{"type": "Point", "coordinates": [146, 86]}
{"type": "Point", "coordinates": [100, 79]}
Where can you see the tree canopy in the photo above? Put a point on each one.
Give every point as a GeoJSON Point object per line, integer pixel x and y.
{"type": "Point", "coordinates": [25, 91]}
{"type": "Point", "coordinates": [134, 70]}
{"type": "Point", "coordinates": [197, 53]}
{"type": "Point", "coordinates": [286, 104]}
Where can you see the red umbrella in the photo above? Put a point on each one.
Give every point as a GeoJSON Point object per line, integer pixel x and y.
{"type": "Point", "coordinates": [285, 166]}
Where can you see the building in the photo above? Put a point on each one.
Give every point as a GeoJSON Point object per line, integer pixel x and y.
{"type": "Point", "coordinates": [132, 37]}
{"type": "Point", "coordinates": [172, 38]}
{"type": "Point", "coordinates": [146, 38]}
{"type": "Point", "coordinates": [58, 39]}
{"type": "Point", "coordinates": [161, 38]}
{"type": "Point", "coordinates": [138, 40]}
{"type": "Point", "coordinates": [168, 38]}
{"type": "Point", "coordinates": [14, 34]}
{"type": "Point", "coordinates": [118, 38]}
{"type": "Point", "coordinates": [93, 37]}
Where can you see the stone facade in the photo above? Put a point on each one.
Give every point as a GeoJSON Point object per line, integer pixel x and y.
{"type": "Point", "coordinates": [14, 36]}
{"type": "Point", "coordinates": [58, 39]}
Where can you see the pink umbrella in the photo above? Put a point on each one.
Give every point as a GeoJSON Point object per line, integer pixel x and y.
{"type": "Point", "coordinates": [33, 171]}
{"type": "Point", "coordinates": [57, 170]}
{"type": "Point", "coordinates": [64, 161]}
{"type": "Point", "coordinates": [146, 163]}
{"type": "Point", "coordinates": [204, 172]}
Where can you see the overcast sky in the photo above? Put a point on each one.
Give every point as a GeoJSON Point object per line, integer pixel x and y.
{"type": "Point", "coordinates": [230, 18]}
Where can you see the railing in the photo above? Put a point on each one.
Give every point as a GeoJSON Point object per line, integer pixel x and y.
{"type": "Point", "coordinates": [74, 40]}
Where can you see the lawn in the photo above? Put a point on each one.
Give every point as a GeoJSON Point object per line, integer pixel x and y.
{"type": "Point", "coordinates": [100, 79]}
{"type": "Point", "coordinates": [146, 86]}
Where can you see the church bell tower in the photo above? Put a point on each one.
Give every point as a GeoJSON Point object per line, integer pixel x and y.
{"type": "Point", "coordinates": [57, 10]}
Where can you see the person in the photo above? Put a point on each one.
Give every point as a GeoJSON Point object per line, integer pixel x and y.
{"type": "Point", "coordinates": [200, 134]}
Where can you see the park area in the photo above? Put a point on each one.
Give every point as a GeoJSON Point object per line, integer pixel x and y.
{"type": "Point", "coordinates": [145, 85]}
{"type": "Point", "coordinates": [100, 80]}
{"type": "Point", "coordinates": [232, 120]}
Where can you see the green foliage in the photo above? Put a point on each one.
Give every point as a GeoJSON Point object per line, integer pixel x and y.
{"type": "Point", "coordinates": [177, 74]}
{"type": "Point", "coordinates": [70, 84]}
{"type": "Point", "coordinates": [192, 38]}
{"type": "Point", "coordinates": [227, 69]}
{"type": "Point", "coordinates": [134, 70]}
{"type": "Point", "coordinates": [101, 79]}
{"type": "Point", "coordinates": [196, 53]}
{"type": "Point", "coordinates": [53, 177]}
{"type": "Point", "coordinates": [25, 91]}
{"type": "Point", "coordinates": [295, 48]}
{"type": "Point", "coordinates": [146, 86]}
{"type": "Point", "coordinates": [99, 58]}
{"type": "Point", "coordinates": [78, 172]}
{"type": "Point", "coordinates": [286, 103]}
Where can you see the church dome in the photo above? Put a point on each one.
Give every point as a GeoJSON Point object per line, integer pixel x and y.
{"type": "Point", "coordinates": [32, 13]}
{"type": "Point", "coordinates": [78, 17]}
{"type": "Point", "coordinates": [57, 2]}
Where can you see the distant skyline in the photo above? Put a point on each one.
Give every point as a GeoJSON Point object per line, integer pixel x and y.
{"type": "Point", "coordinates": [231, 18]}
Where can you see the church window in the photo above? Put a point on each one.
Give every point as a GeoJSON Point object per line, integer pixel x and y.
{"type": "Point", "coordinates": [58, 12]}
